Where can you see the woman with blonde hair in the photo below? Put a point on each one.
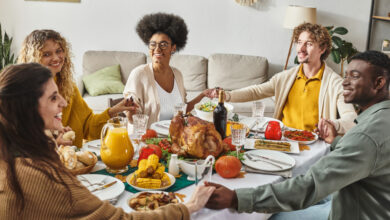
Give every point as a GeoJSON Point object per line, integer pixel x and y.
{"type": "Point", "coordinates": [50, 49]}
{"type": "Point", "coordinates": [34, 184]}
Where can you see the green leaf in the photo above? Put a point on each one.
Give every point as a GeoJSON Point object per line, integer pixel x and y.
{"type": "Point", "coordinates": [337, 40]}
{"type": "Point", "coordinates": [335, 54]}
{"type": "Point", "coordinates": [329, 28]}
{"type": "Point", "coordinates": [341, 30]}
{"type": "Point", "coordinates": [296, 60]}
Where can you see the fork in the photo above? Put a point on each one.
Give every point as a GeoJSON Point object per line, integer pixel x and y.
{"type": "Point", "coordinates": [265, 161]}
{"type": "Point", "coordinates": [83, 179]}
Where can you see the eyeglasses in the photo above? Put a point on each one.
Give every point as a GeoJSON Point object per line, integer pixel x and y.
{"type": "Point", "coordinates": [163, 45]}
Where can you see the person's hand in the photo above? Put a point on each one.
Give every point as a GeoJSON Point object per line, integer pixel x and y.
{"type": "Point", "coordinates": [126, 105]}
{"type": "Point", "coordinates": [199, 198]}
{"type": "Point", "coordinates": [326, 130]}
{"type": "Point", "coordinates": [60, 140]}
{"type": "Point", "coordinates": [222, 197]}
{"type": "Point", "coordinates": [211, 93]}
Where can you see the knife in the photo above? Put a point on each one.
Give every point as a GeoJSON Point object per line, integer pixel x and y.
{"type": "Point", "coordinates": [104, 186]}
{"type": "Point", "coordinates": [270, 159]}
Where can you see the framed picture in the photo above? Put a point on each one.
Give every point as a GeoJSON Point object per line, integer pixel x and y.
{"type": "Point", "coordinates": [55, 0]}
{"type": "Point", "coordinates": [386, 46]}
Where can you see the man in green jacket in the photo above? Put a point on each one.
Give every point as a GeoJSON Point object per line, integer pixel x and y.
{"type": "Point", "coordinates": [356, 171]}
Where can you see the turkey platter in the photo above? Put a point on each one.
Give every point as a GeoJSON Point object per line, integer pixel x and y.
{"type": "Point", "coordinates": [194, 137]}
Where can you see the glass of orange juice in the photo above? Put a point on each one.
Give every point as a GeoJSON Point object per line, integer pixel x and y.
{"type": "Point", "coordinates": [116, 150]}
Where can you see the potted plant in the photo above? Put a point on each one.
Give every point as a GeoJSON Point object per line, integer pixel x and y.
{"type": "Point", "coordinates": [6, 57]}
{"type": "Point", "coordinates": [341, 50]}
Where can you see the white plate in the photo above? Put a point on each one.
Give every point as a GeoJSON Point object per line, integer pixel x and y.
{"type": "Point", "coordinates": [250, 145]}
{"type": "Point", "coordinates": [260, 165]}
{"type": "Point", "coordinates": [104, 194]}
{"type": "Point", "coordinates": [303, 142]}
{"type": "Point", "coordinates": [93, 146]}
{"type": "Point", "coordinates": [161, 127]}
{"type": "Point", "coordinates": [138, 193]}
{"type": "Point", "coordinates": [172, 178]}
{"type": "Point", "coordinates": [251, 123]}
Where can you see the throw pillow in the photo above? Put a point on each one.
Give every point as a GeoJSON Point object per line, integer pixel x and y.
{"type": "Point", "coordinates": [104, 81]}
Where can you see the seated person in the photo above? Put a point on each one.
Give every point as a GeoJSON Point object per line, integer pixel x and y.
{"type": "Point", "coordinates": [50, 49]}
{"type": "Point", "coordinates": [157, 87]}
{"type": "Point", "coordinates": [356, 171]}
{"type": "Point", "coordinates": [34, 184]}
{"type": "Point", "coordinates": [308, 92]}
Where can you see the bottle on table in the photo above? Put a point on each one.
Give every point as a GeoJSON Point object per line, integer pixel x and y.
{"type": "Point", "coordinates": [220, 115]}
{"type": "Point", "coordinates": [173, 167]}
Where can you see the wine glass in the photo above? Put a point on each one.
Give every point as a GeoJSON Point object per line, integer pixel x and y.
{"type": "Point", "coordinates": [258, 108]}
{"type": "Point", "coordinates": [238, 131]}
{"type": "Point", "coordinates": [140, 123]}
{"type": "Point", "coordinates": [179, 107]}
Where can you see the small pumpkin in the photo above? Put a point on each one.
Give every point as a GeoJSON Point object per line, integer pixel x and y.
{"type": "Point", "coordinates": [228, 166]}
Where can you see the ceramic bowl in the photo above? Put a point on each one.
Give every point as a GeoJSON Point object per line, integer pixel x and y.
{"type": "Point", "coordinates": [208, 116]}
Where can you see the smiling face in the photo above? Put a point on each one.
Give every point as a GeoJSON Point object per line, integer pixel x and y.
{"type": "Point", "coordinates": [51, 104]}
{"type": "Point", "coordinates": [52, 56]}
{"type": "Point", "coordinates": [308, 50]}
{"type": "Point", "coordinates": [359, 84]}
{"type": "Point", "coordinates": [158, 54]}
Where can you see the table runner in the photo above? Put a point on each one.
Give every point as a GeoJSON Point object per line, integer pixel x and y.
{"type": "Point", "coordinates": [180, 183]}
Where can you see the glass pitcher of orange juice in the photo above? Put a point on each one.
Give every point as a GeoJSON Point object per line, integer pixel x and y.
{"type": "Point", "coordinates": [116, 150]}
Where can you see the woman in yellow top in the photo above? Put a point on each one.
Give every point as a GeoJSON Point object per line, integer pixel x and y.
{"type": "Point", "coordinates": [50, 49]}
{"type": "Point", "coordinates": [34, 184]}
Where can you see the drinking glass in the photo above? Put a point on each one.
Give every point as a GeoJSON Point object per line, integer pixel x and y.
{"type": "Point", "coordinates": [179, 107]}
{"type": "Point", "coordinates": [258, 108]}
{"type": "Point", "coordinates": [238, 135]}
{"type": "Point", "coordinates": [140, 123]}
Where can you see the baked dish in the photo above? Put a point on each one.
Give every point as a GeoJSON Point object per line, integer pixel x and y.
{"type": "Point", "coordinates": [146, 201]}
{"type": "Point", "coordinates": [273, 145]}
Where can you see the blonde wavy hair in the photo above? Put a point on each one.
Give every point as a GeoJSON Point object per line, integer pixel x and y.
{"type": "Point", "coordinates": [31, 51]}
{"type": "Point", "coordinates": [319, 34]}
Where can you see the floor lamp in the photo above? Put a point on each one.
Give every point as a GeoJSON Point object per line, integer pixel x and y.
{"type": "Point", "coordinates": [296, 15]}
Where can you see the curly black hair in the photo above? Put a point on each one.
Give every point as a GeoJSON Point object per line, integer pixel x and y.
{"type": "Point", "coordinates": [169, 24]}
{"type": "Point", "coordinates": [378, 59]}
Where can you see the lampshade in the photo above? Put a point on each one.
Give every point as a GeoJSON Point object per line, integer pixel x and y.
{"type": "Point", "coordinates": [296, 15]}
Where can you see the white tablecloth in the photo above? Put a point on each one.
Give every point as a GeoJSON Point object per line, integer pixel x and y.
{"type": "Point", "coordinates": [303, 162]}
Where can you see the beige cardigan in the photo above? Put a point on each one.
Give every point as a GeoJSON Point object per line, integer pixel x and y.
{"type": "Point", "coordinates": [331, 103]}
{"type": "Point", "coordinates": [47, 199]}
{"type": "Point", "coordinates": [141, 85]}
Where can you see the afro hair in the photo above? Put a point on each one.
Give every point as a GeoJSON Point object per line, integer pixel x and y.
{"type": "Point", "coordinates": [169, 24]}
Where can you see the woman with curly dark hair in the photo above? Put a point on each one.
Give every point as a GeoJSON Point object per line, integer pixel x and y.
{"type": "Point", "coordinates": [34, 184]}
{"type": "Point", "coordinates": [50, 49]}
{"type": "Point", "coordinates": [157, 87]}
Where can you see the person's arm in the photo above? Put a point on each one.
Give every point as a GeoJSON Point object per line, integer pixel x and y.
{"type": "Point", "coordinates": [346, 112]}
{"type": "Point", "coordinates": [192, 103]}
{"type": "Point", "coordinates": [351, 161]}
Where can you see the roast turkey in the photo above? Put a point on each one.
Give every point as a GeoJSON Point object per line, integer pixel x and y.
{"type": "Point", "coordinates": [194, 137]}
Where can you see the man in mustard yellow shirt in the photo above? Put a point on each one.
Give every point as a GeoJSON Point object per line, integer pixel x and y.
{"type": "Point", "coordinates": [308, 92]}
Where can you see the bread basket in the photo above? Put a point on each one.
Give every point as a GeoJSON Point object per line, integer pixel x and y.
{"type": "Point", "coordinates": [86, 169]}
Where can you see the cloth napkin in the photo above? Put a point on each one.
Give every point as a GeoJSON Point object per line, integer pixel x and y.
{"type": "Point", "coordinates": [285, 174]}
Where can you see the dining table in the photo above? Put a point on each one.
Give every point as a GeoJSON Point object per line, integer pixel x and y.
{"type": "Point", "coordinates": [304, 160]}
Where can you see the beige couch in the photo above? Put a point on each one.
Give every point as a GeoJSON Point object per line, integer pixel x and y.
{"type": "Point", "coordinates": [229, 71]}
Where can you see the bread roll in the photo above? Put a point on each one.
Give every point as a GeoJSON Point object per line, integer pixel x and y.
{"type": "Point", "coordinates": [87, 157]}
{"type": "Point", "coordinates": [69, 136]}
{"type": "Point", "coordinates": [79, 165]}
{"type": "Point", "coordinates": [69, 156]}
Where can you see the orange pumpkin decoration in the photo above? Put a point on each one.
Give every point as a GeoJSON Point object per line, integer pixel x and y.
{"type": "Point", "coordinates": [228, 166]}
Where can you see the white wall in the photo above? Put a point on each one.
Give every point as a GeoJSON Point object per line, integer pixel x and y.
{"type": "Point", "coordinates": [215, 26]}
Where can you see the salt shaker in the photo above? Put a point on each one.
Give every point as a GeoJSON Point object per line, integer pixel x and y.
{"type": "Point", "coordinates": [173, 167]}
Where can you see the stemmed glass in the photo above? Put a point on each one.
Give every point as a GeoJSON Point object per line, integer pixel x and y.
{"type": "Point", "coordinates": [258, 108]}
{"type": "Point", "coordinates": [238, 135]}
{"type": "Point", "coordinates": [140, 123]}
{"type": "Point", "coordinates": [179, 107]}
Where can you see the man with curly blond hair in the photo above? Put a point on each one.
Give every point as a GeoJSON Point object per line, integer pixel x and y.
{"type": "Point", "coordinates": [306, 93]}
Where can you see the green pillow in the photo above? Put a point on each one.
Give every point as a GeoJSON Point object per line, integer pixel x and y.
{"type": "Point", "coordinates": [104, 81]}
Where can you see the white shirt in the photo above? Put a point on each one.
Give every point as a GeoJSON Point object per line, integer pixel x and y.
{"type": "Point", "coordinates": [168, 101]}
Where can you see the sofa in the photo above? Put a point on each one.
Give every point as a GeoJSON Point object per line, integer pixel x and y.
{"type": "Point", "coordinates": [229, 71]}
